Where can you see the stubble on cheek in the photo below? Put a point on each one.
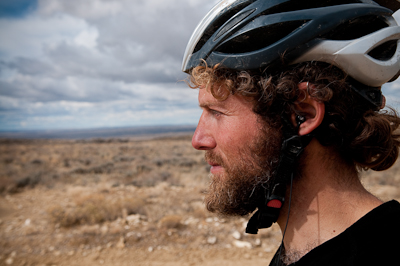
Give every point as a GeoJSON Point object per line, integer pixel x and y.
{"type": "Point", "coordinates": [238, 189]}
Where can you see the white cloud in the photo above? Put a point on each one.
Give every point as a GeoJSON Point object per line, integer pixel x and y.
{"type": "Point", "coordinates": [59, 115]}
{"type": "Point", "coordinates": [143, 104]}
{"type": "Point", "coordinates": [27, 37]}
{"type": "Point", "coordinates": [87, 38]}
{"type": "Point", "coordinates": [88, 9]}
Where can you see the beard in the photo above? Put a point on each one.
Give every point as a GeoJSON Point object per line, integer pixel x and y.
{"type": "Point", "coordinates": [246, 179]}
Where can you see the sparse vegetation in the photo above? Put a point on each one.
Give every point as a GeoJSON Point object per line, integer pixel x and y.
{"type": "Point", "coordinates": [94, 208]}
{"type": "Point", "coordinates": [114, 202]}
{"type": "Point", "coordinates": [171, 222]}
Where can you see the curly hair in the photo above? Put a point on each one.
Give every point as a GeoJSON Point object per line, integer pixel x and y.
{"type": "Point", "coordinates": [368, 139]}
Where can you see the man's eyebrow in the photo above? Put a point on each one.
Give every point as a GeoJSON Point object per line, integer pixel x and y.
{"type": "Point", "coordinates": [206, 105]}
{"type": "Point", "coordinates": [211, 104]}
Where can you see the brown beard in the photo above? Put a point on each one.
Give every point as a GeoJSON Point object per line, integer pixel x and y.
{"type": "Point", "coordinates": [246, 178]}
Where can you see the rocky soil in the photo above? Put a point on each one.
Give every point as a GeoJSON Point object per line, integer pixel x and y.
{"type": "Point", "coordinates": [124, 202]}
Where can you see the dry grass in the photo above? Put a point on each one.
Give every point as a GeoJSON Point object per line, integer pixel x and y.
{"type": "Point", "coordinates": [95, 208]}
{"type": "Point", "coordinates": [171, 222]}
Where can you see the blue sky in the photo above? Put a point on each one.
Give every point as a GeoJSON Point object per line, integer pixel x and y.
{"type": "Point", "coordinates": [99, 63]}
{"type": "Point", "coordinates": [16, 8]}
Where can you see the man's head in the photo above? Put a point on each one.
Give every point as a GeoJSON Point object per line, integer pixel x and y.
{"type": "Point", "coordinates": [240, 129]}
{"type": "Point", "coordinates": [267, 82]}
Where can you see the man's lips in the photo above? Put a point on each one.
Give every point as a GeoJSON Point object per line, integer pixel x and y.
{"type": "Point", "coordinates": [212, 163]}
{"type": "Point", "coordinates": [215, 167]}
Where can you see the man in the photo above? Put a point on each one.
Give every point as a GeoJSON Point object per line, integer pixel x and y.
{"type": "Point", "coordinates": [292, 111]}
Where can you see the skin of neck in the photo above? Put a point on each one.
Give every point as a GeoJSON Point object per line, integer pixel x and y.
{"type": "Point", "coordinates": [327, 198]}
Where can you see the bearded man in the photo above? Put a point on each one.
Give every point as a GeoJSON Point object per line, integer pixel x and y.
{"type": "Point", "coordinates": [292, 112]}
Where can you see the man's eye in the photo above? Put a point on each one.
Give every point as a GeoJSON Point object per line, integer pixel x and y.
{"type": "Point", "coordinates": [215, 113]}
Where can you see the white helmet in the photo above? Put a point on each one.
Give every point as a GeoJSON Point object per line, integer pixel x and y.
{"type": "Point", "coordinates": [360, 37]}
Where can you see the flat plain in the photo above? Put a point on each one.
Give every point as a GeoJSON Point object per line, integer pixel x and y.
{"type": "Point", "coordinates": [125, 201]}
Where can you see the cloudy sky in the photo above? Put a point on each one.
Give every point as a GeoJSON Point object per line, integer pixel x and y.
{"type": "Point", "coordinates": [99, 63]}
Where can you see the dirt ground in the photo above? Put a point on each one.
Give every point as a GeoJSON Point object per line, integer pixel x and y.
{"type": "Point", "coordinates": [125, 202]}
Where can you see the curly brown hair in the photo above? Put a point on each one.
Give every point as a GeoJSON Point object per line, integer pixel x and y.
{"type": "Point", "coordinates": [367, 138]}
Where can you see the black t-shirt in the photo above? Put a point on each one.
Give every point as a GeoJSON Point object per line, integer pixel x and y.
{"type": "Point", "coordinates": [372, 240]}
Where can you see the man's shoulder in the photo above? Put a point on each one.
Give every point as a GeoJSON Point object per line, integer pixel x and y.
{"type": "Point", "coordinates": [369, 241]}
{"type": "Point", "coordinates": [384, 218]}
{"type": "Point", "coordinates": [387, 213]}
{"type": "Point", "coordinates": [375, 235]}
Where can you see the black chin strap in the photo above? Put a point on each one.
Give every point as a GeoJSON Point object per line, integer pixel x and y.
{"type": "Point", "coordinates": [268, 211]}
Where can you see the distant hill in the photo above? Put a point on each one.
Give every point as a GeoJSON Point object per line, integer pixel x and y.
{"type": "Point", "coordinates": [142, 131]}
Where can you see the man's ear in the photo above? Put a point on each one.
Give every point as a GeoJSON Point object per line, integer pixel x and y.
{"type": "Point", "coordinates": [311, 109]}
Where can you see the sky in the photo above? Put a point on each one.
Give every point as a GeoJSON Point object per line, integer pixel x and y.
{"type": "Point", "coordinates": [100, 63]}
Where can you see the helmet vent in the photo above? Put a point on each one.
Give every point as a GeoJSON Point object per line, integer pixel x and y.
{"type": "Point", "coordinates": [384, 51]}
{"type": "Point", "coordinates": [232, 23]}
{"type": "Point", "coordinates": [289, 6]}
{"type": "Point", "coordinates": [357, 28]}
{"type": "Point", "coordinates": [259, 38]}
{"type": "Point", "coordinates": [219, 21]}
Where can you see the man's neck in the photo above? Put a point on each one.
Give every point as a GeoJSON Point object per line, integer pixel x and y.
{"type": "Point", "coordinates": [327, 198]}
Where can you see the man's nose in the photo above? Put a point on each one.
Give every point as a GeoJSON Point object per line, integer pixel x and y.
{"type": "Point", "coordinates": [203, 138]}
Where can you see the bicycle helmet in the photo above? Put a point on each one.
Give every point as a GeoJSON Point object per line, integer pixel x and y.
{"type": "Point", "coordinates": [360, 37]}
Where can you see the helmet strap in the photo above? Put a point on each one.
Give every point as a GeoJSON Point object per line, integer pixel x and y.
{"type": "Point", "coordinates": [292, 147]}
{"type": "Point", "coordinates": [372, 95]}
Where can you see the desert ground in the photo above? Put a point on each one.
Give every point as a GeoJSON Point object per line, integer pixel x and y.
{"type": "Point", "coordinates": [125, 201]}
